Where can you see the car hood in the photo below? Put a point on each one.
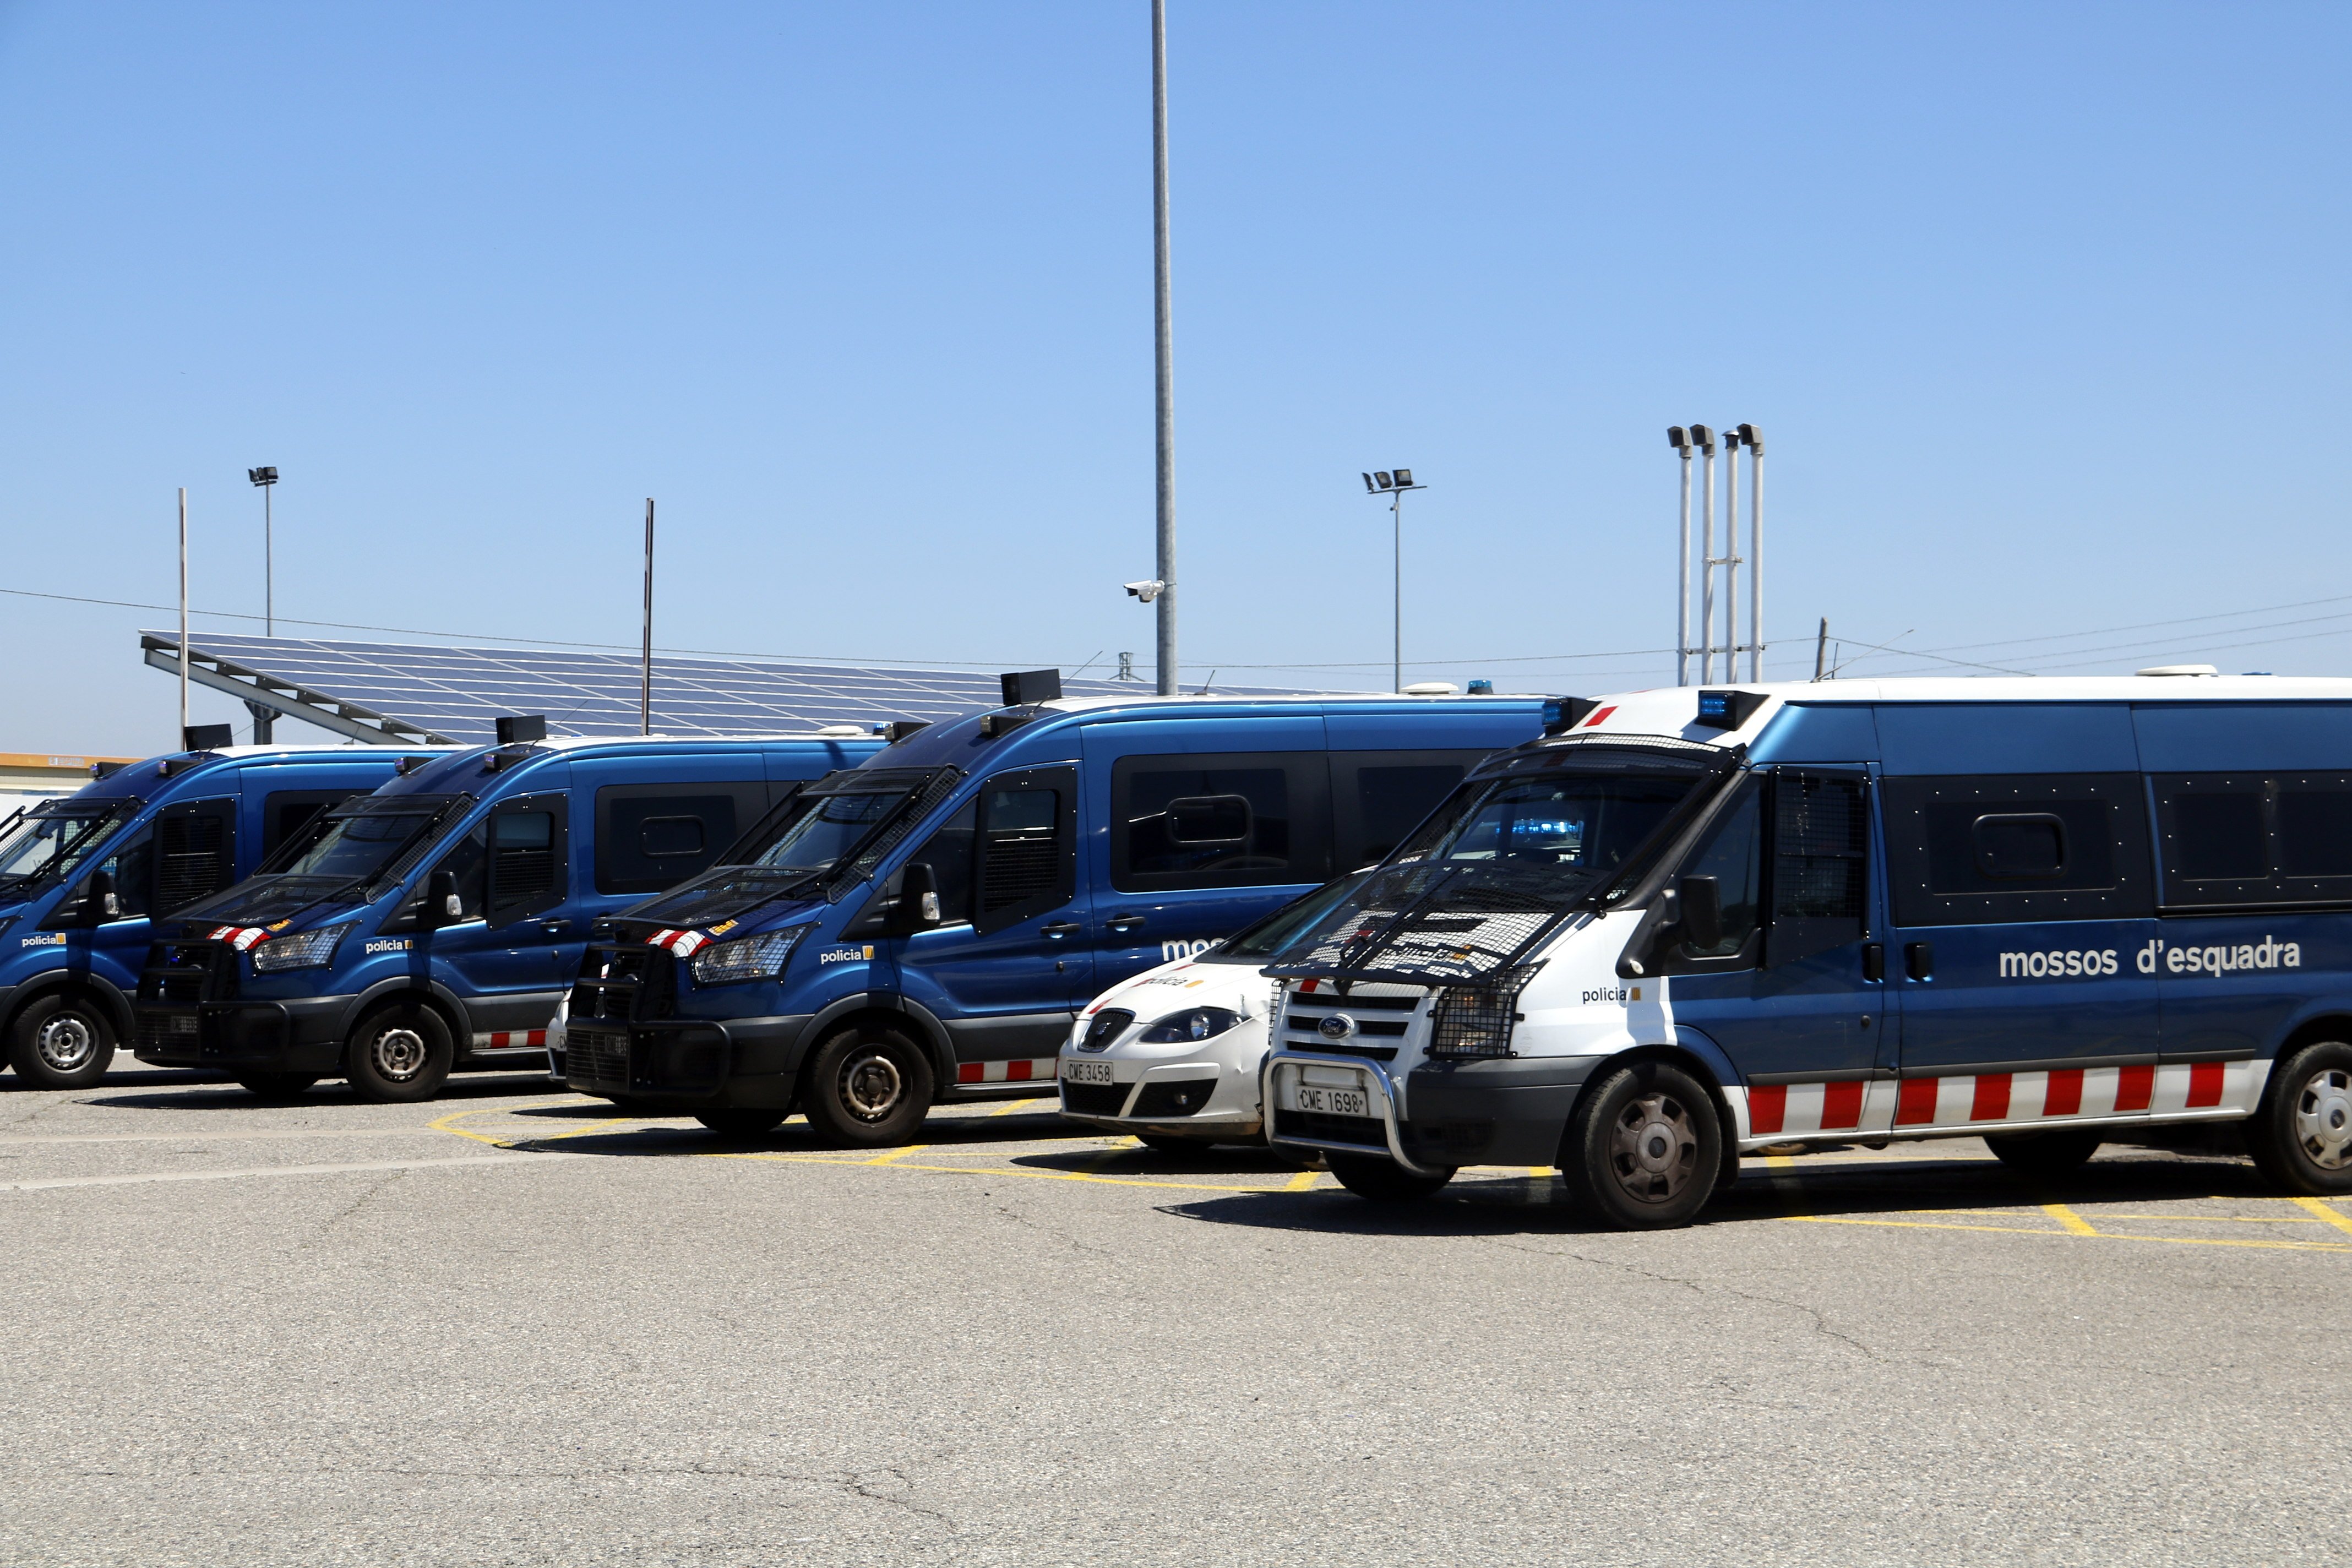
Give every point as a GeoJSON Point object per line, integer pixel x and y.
{"type": "Point", "coordinates": [1188, 983]}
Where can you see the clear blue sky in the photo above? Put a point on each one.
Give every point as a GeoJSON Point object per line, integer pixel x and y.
{"type": "Point", "coordinates": [2041, 308]}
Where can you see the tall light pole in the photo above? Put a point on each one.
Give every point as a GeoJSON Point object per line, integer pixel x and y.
{"type": "Point", "coordinates": [1164, 348]}
{"type": "Point", "coordinates": [1679, 439]}
{"type": "Point", "coordinates": [266, 479]}
{"type": "Point", "coordinates": [1393, 484]}
{"type": "Point", "coordinates": [182, 742]}
{"type": "Point", "coordinates": [646, 665]}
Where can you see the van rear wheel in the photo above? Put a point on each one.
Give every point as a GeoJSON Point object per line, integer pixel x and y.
{"type": "Point", "coordinates": [867, 1088]}
{"type": "Point", "coordinates": [734, 1122]}
{"type": "Point", "coordinates": [61, 1041]}
{"type": "Point", "coordinates": [2301, 1135]}
{"type": "Point", "coordinates": [1644, 1152]}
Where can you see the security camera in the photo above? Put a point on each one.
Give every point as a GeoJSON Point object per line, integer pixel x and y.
{"type": "Point", "coordinates": [1146, 592]}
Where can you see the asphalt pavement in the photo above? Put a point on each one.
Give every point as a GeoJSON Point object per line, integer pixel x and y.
{"type": "Point", "coordinates": [509, 1327]}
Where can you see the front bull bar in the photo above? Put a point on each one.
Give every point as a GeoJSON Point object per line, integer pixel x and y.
{"type": "Point", "coordinates": [1384, 1093]}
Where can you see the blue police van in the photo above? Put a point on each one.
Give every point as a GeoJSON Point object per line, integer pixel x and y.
{"type": "Point", "coordinates": [1687, 924]}
{"type": "Point", "coordinates": [926, 927]}
{"type": "Point", "coordinates": [432, 925]}
{"type": "Point", "coordinates": [83, 878]}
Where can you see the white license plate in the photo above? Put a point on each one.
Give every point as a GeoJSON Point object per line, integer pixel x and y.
{"type": "Point", "coordinates": [1333, 1101]}
{"type": "Point", "coordinates": [1086, 1072]}
{"type": "Point", "coordinates": [184, 1023]}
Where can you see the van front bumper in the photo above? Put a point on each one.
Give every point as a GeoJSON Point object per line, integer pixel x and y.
{"type": "Point", "coordinates": [688, 1063]}
{"type": "Point", "coordinates": [1478, 1111]}
{"type": "Point", "coordinates": [295, 1036]}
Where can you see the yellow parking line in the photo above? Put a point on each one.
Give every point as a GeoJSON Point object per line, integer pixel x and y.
{"type": "Point", "coordinates": [2103, 1235]}
{"type": "Point", "coordinates": [2323, 1211]}
{"type": "Point", "coordinates": [443, 1125]}
{"type": "Point", "coordinates": [2075, 1224]}
{"type": "Point", "coordinates": [1007, 1170]}
{"type": "Point", "coordinates": [1010, 1106]}
{"type": "Point", "coordinates": [1302, 1182]}
{"type": "Point", "coordinates": [895, 1156]}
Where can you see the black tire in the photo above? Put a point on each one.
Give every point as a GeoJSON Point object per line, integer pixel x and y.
{"type": "Point", "coordinates": [399, 1054]}
{"type": "Point", "coordinates": [628, 1106]}
{"type": "Point", "coordinates": [1644, 1151]}
{"type": "Point", "coordinates": [2044, 1153]}
{"type": "Point", "coordinates": [63, 1040]}
{"type": "Point", "coordinates": [278, 1085]}
{"type": "Point", "coordinates": [868, 1088]}
{"type": "Point", "coordinates": [1384, 1181]}
{"type": "Point", "coordinates": [742, 1123]}
{"type": "Point", "coordinates": [2300, 1134]}
{"type": "Point", "coordinates": [1171, 1144]}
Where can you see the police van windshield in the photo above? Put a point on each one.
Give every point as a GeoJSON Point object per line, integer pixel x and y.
{"type": "Point", "coordinates": [362, 839]}
{"type": "Point", "coordinates": [1563, 827]}
{"type": "Point", "coordinates": [828, 831]}
{"type": "Point", "coordinates": [52, 838]}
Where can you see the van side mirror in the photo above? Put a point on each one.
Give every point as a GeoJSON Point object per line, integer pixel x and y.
{"type": "Point", "coordinates": [99, 902]}
{"type": "Point", "coordinates": [919, 899]}
{"type": "Point", "coordinates": [442, 905]}
{"type": "Point", "coordinates": [1701, 899]}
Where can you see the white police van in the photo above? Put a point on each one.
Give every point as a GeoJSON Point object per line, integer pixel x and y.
{"type": "Point", "coordinates": [1688, 923]}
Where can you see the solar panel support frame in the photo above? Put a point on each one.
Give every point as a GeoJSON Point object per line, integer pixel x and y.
{"type": "Point", "coordinates": [348, 719]}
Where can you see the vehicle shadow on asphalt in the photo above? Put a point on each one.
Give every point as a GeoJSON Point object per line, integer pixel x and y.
{"type": "Point", "coordinates": [209, 1092]}
{"type": "Point", "coordinates": [685, 1135]}
{"type": "Point", "coordinates": [1893, 1190]}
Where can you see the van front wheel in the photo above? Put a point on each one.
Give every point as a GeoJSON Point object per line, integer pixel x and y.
{"type": "Point", "coordinates": [2301, 1136]}
{"type": "Point", "coordinates": [400, 1054]}
{"type": "Point", "coordinates": [61, 1041]}
{"type": "Point", "coordinates": [1644, 1152]}
{"type": "Point", "coordinates": [868, 1088]}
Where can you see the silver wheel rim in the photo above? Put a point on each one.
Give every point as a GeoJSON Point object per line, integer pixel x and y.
{"type": "Point", "coordinates": [1653, 1149]}
{"type": "Point", "coordinates": [871, 1085]}
{"type": "Point", "coordinates": [2323, 1118]}
{"type": "Point", "coordinates": [397, 1054]}
{"type": "Point", "coordinates": [65, 1042]}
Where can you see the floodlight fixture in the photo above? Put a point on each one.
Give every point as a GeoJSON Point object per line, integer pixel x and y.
{"type": "Point", "coordinates": [1384, 482]}
{"type": "Point", "coordinates": [262, 476]}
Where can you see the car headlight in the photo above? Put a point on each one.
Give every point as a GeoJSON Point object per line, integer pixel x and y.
{"type": "Point", "coordinates": [1193, 1024]}
{"type": "Point", "coordinates": [304, 949]}
{"type": "Point", "coordinates": [758, 957]}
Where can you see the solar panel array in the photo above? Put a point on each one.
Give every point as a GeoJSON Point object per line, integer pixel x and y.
{"type": "Point", "coordinates": [459, 692]}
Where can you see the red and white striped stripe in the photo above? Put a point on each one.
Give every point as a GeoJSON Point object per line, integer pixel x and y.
{"type": "Point", "coordinates": [1973, 1099]}
{"type": "Point", "coordinates": [681, 943]}
{"type": "Point", "coordinates": [1036, 1068]}
{"type": "Point", "coordinates": [509, 1039]}
{"type": "Point", "coordinates": [238, 937]}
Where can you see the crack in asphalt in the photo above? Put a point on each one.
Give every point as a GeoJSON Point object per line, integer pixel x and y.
{"type": "Point", "coordinates": [348, 1210]}
{"type": "Point", "coordinates": [1056, 1235]}
{"type": "Point", "coordinates": [1821, 1323]}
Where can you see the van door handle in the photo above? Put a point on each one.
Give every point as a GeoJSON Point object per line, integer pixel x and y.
{"type": "Point", "coordinates": [1124, 923]}
{"type": "Point", "coordinates": [1057, 929]}
{"type": "Point", "coordinates": [1919, 960]}
{"type": "Point", "coordinates": [555, 928]}
{"type": "Point", "coordinates": [1874, 960]}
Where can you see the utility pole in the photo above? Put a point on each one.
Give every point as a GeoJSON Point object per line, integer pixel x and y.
{"type": "Point", "coordinates": [1164, 346]}
{"type": "Point", "coordinates": [265, 717]}
{"type": "Point", "coordinates": [184, 620]}
{"type": "Point", "coordinates": [646, 664]}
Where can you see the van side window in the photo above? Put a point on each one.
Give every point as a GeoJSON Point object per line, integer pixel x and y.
{"type": "Point", "coordinates": [194, 854]}
{"type": "Point", "coordinates": [465, 860]}
{"type": "Point", "coordinates": [523, 845]}
{"type": "Point", "coordinates": [1027, 861]}
{"type": "Point", "coordinates": [2000, 849]}
{"type": "Point", "coordinates": [1227, 821]}
{"type": "Point", "coordinates": [1821, 846]}
{"type": "Point", "coordinates": [132, 867]}
{"type": "Point", "coordinates": [1378, 798]}
{"type": "Point", "coordinates": [949, 853]}
{"type": "Point", "coordinates": [2238, 839]}
{"type": "Point", "coordinates": [1733, 853]}
{"type": "Point", "coordinates": [651, 838]}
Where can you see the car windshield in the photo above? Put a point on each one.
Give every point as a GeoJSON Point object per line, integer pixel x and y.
{"type": "Point", "coordinates": [53, 837]}
{"type": "Point", "coordinates": [361, 840]}
{"type": "Point", "coordinates": [1278, 930]}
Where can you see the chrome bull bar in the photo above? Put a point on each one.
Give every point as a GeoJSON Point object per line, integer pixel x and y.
{"type": "Point", "coordinates": [1380, 1086]}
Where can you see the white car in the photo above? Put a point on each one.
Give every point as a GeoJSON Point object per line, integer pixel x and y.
{"type": "Point", "coordinates": [1172, 1056]}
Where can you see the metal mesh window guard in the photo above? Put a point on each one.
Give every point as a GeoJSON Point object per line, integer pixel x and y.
{"type": "Point", "coordinates": [1477, 1020]}
{"type": "Point", "coordinates": [1434, 924]}
{"type": "Point", "coordinates": [1819, 842]}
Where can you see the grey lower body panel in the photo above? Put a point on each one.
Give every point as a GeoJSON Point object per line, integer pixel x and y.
{"type": "Point", "coordinates": [689, 1064]}
{"type": "Point", "coordinates": [300, 1035]}
{"type": "Point", "coordinates": [1510, 1111]}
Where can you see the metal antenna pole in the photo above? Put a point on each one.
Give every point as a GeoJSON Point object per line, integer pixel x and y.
{"type": "Point", "coordinates": [1821, 649]}
{"type": "Point", "coordinates": [1706, 439]}
{"type": "Point", "coordinates": [1164, 346]}
{"type": "Point", "coordinates": [646, 663]}
{"type": "Point", "coordinates": [1731, 554]}
{"type": "Point", "coordinates": [1755, 440]}
{"type": "Point", "coordinates": [183, 618]}
{"type": "Point", "coordinates": [1681, 444]}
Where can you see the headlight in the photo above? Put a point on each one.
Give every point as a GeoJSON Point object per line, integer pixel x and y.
{"type": "Point", "coordinates": [746, 958]}
{"type": "Point", "coordinates": [1193, 1024]}
{"type": "Point", "coordinates": [305, 950]}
